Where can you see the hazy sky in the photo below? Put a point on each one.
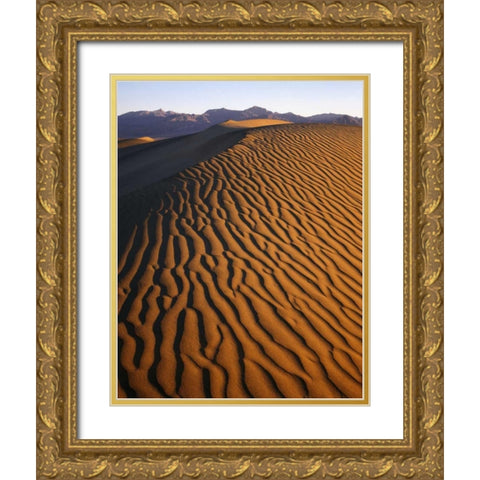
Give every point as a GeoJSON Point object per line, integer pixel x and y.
{"type": "Point", "coordinates": [297, 96]}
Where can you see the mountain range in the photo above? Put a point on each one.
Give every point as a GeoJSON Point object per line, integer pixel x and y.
{"type": "Point", "coordinates": [165, 124]}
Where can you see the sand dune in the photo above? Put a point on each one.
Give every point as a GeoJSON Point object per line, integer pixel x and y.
{"type": "Point", "coordinates": [139, 165]}
{"type": "Point", "coordinates": [128, 142]}
{"type": "Point", "coordinates": [240, 275]}
{"type": "Point", "coordinates": [255, 122]}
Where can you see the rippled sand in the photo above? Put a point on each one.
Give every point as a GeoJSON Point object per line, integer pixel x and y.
{"type": "Point", "coordinates": [241, 276]}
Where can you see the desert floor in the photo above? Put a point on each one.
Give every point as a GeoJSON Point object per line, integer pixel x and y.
{"type": "Point", "coordinates": [240, 263]}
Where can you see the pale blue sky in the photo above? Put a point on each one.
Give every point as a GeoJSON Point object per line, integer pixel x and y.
{"type": "Point", "coordinates": [298, 96]}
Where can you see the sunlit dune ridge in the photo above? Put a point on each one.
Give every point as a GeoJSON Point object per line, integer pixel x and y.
{"type": "Point", "coordinates": [255, 122]}
{"type": "Point", "coordinates": [243, 277]}
{"type": "Point", "coordinates": [128, 142]}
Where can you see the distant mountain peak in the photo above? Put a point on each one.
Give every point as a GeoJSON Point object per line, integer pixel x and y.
{"type": "Point", "coordinates": [214, 110]}
{"type": "Point", "coordinates": [162, 124]}
{"type": "Point", "coordinates": [256, 108]}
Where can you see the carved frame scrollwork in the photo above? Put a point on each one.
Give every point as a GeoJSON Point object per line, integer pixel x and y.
{"type": "Point", "coordinates": [61, 25]}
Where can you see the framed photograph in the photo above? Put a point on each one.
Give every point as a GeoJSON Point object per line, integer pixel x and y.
{"type": "Point", "coordinates": [217, 295]}
{"type": "Point", "coordinates": [240, 242]}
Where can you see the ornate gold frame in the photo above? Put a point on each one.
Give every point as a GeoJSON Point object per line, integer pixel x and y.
{"type": "Point", "coordinates": [64, 23]}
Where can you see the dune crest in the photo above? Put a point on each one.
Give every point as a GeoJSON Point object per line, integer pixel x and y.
{"type": "Point", "coordinates": [241, 275]}
{"type": "Point", "coordinates": [128, 142]}
{"type": "Point", "coordinates": [253, 123]}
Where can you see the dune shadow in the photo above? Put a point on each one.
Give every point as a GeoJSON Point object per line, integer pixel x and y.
{"type": "Point", "coordinates": [142, 165]}
{"type": "Point", "coordinates": [144, 171]}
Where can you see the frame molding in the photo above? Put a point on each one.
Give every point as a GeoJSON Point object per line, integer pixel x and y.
{"type": "Point", "coordinates": [60, 26]}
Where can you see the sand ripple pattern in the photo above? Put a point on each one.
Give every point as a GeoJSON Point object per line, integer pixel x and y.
{"type": "Point", "coordinates": [244, 278]}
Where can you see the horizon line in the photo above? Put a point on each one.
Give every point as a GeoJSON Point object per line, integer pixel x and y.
{"type": "Point", "coordinates": [244, 110]}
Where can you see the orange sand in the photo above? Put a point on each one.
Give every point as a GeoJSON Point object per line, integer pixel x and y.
{"type": "Point", "coordinates": [241, 276]}
{"type": "Point", "coordinates": [128, 142]}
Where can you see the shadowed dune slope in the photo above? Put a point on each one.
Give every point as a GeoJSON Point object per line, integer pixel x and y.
{"type": "Point", "coordinates": [147, 163]}
{"type": "Point", "coordinates": [241, 276]}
